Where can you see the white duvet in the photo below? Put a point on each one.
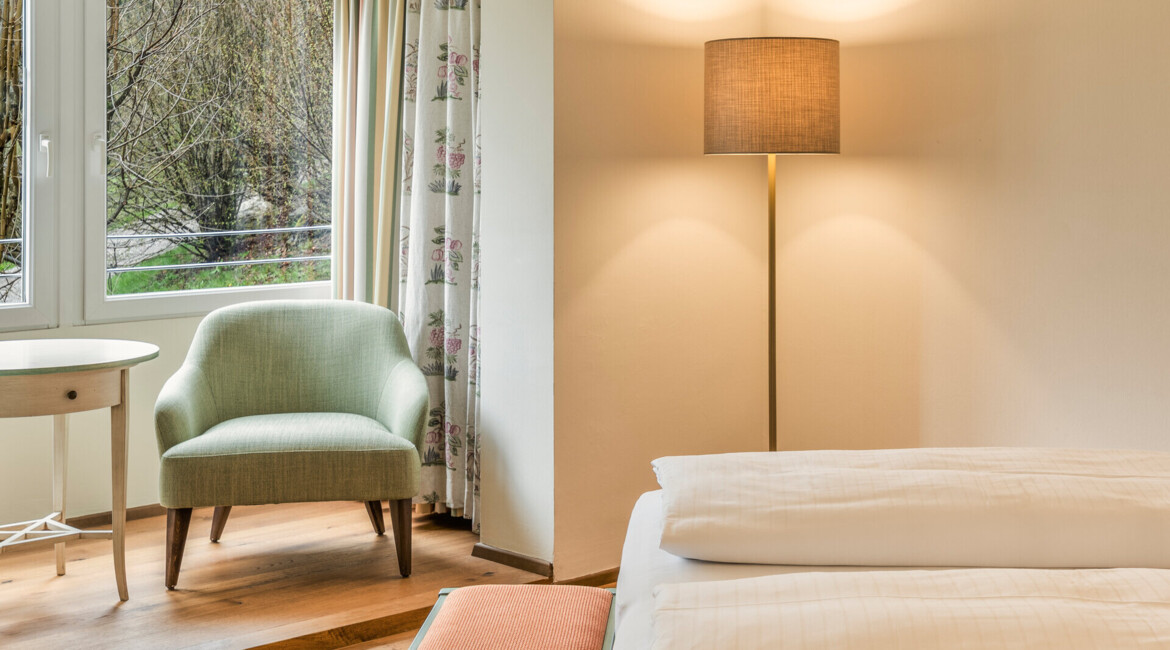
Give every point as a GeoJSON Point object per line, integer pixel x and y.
{"type": "Point", "coordinates": [920, 507]}
{"type": "Point", "coordinates": [964, 609]}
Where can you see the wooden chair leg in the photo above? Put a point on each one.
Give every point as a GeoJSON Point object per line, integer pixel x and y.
{"type": "Point", "coordinates": [218, 521]}
{"type": "Point", "coordinates": [400, 518]}
{"type": "Point", "coordinates": [178, 522]}
{"type": "Point", "coordinates": [374, 509]}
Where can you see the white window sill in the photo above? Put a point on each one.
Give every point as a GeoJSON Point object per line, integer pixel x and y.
{"type": "Point", "coordinates": [180, 304]}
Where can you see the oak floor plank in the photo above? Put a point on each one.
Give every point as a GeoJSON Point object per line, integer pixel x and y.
{"type": "Point", "coordinates": [396, 642]}
{"type": "Point", "coordinates": [278, 572]}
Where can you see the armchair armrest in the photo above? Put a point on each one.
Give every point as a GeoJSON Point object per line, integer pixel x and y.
{"type": "Point", "coordinates": [403, 405]}
{"type": "Point", "coordinates": [185, 408]}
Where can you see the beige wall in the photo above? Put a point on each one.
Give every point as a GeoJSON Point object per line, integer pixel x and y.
{"type": "Point", "coordinates": [985, 264]}
{"type": "Point", "coordinates": [26, 444]}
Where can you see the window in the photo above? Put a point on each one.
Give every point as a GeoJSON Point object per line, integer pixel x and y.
{"type": "Point", "coordinates": [216, 121]}
{"type": "Point", "coordinates": [162, 157]}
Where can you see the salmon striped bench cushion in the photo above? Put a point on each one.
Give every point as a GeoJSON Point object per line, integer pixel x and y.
{"type": "Point", "coordinates": [517, 617]}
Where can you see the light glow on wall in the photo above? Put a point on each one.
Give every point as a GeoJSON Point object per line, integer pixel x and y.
{"type": "Point", "coordinates": [693, 11]}
{"type": "Point", "coordinates": [840, 11]}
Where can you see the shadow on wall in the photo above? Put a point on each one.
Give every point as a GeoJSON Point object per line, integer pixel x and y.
{"type": "Point", "coordinates": [658, 236]}
{"type": "Point", "coordinates": [981, 265]}
{"type": "Point", "coordinates": [856, 238]}
{"type": "Point", "coordinates": [660, 261]}
{"type": "Point", "coordinates": [672, 235]}
{"type": "Point", "coordinates": [661, 305]}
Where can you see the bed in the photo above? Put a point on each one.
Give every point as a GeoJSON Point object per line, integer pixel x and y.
{"type": "Point", "coordinates": [667, 601]}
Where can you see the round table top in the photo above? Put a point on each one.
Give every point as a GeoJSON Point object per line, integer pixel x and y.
{"type": "Point", "coordinates": [47, 356]}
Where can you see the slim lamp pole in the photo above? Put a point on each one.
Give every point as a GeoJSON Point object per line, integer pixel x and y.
{"type": "Point", "coordinates": [772, 442]}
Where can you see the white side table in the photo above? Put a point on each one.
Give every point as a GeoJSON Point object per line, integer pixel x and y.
{"type": "Point", "coordinates": [57, 377]}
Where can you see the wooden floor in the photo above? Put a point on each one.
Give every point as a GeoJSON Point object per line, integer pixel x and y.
{"type": "Point", "coordinates": [278, 572]}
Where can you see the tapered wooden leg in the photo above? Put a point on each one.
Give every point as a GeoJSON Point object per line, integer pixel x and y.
{"type": "Point", "coordinates": [118, 453]}
{"type": "Point", "coordinates": [218, 521]}
{"type": "Point", "coordinates": [400, 518]}
{"type": "Point", "coordinates": [374, 510]}
{"type": "Point", "coordinates": [178, 522]}
{"type": "Point", "coordinates": [60, 465]}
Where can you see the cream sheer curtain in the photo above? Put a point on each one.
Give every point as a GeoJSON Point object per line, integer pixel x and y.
{"type": "Point", "coordinates": [367, 95]}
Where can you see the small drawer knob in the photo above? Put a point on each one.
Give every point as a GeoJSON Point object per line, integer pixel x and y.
{"type": "Point", "coordinates": [71, 394]}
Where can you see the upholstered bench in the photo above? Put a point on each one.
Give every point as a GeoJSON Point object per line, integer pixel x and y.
{"type": "Point", "coordinates": [519, 617]}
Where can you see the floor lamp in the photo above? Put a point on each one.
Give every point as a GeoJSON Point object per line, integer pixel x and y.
{"type": "Point", "coordinates": [772, 96]}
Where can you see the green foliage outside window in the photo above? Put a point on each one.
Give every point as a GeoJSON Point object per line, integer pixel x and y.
{"type": "Point", "coordinates": [219, 117]}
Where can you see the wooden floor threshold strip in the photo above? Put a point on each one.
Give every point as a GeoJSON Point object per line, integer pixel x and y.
{"type": "Point", "coordinates": [348, 635]}
{"type": "Point", "coordinates": [607, 578]}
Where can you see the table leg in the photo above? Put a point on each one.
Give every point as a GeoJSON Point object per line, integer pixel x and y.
{"type": "Point", "coordinates": [118, 452]}
{"type": "Point", "coordinates": [60, 467]}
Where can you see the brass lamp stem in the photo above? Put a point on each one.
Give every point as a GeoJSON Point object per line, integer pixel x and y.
{"type": "Point", "coordinates": [772, 444]}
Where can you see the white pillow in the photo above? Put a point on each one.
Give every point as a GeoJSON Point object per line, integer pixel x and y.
{"type": "Point", "coordinates": [999, 507]}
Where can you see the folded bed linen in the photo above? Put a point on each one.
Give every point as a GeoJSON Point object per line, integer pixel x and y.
{"type": "Point", "coordinates": [963, 609]}
{"type": "Point", "coordinates": [969, 507]}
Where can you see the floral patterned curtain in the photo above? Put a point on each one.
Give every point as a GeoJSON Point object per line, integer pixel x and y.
{"type": "Point", "coordinates": [439, 266]}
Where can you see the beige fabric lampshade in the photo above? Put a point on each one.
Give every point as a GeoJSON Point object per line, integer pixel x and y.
{"type": "Point", "coordinates": [772, 95]}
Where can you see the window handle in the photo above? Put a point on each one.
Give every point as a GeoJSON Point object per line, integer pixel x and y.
{"type": "Point", "coordinates": [99, 145]}
{"type": "Point", "coordinates": [47, 149]}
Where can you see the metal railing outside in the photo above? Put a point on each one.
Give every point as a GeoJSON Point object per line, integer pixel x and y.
{"type": "Point", "coordinates": [201, 265]}
{"type": "Point", "coordinates": [206, 265]}
{"type": "Point", "coordinates": [217, 233]}
{"type": "Point", "coordinates": [12, 241]}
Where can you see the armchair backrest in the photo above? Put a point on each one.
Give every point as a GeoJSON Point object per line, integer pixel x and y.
{"type": "Point", "coordinates": [287, 356]}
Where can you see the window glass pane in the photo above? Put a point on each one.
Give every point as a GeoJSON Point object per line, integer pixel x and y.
{"type": "Point", "coordinates": [219, 120]}
{"type": "Point", "coordinates": [12, 110]}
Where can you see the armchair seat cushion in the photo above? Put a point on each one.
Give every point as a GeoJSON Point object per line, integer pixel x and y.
{"type": "Point", "coordinates": [289, 457]}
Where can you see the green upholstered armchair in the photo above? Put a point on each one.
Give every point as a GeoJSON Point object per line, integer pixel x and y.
{"type": "Point", "coordinates": [292, 401]}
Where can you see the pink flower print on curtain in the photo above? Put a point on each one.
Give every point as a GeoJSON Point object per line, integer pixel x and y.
{"type": "Point", "coordinates": [448, 167]}
{"type": "Point", "coordinates": [447, 257]}
{"type": "Point", "coordinates": [453, 73]}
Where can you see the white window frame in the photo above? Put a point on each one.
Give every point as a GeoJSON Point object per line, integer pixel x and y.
{"type": "Point", "coordinates": [98, 307]}
{"type": "Point", "coordinates": [39, 223]}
